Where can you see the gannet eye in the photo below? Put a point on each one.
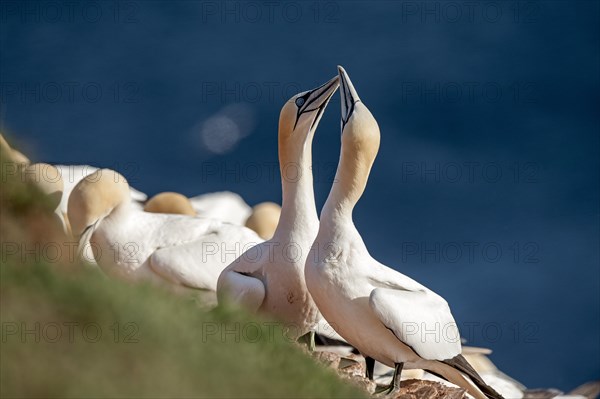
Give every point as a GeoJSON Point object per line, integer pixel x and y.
{"type": "Point", "coordinates": [300, 101]}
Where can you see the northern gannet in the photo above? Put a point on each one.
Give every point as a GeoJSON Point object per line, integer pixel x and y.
{"type": "Point", "coordinates": [222, 205]}
{"type": "Point", "coordinates": [169, 202]}
{"type": "Point", "coordinates": [502, 383]}
{"type": "Point", "coordinates": [264, 219]}
{"type": "Point", "coordinates": [132, 244]}
{"type": "Point", "coordinates": [273, 282]}
{"type": "Point", "coordinates": [73, 174]}
{"type": "Point", "coordinates": [384, 314]}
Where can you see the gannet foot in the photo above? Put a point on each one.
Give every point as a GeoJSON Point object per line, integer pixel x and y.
{"type": "Point", "coordinates": [382, 391]}
{"type": "Point", "coordinates": [369, 367]}
{"type": "Point", "coordinates": [394, 387]}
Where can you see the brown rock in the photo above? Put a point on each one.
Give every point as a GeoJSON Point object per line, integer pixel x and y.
{"type": "Point", "coordinates": [329, 359]}
{"type": "Point", "coordinates": [423, 389]}
{"type": "Point", "coordinates": [351, 367]}
{"type": "Point", "coordinates": [353, 370]}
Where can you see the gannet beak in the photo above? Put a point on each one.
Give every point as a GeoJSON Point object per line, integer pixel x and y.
{"type": "Point", "coordinates": [348, 94]}
{"type": "Point", "coordinates": [85, 237]}
{"type": "Point", "coordinates": [317, 100]}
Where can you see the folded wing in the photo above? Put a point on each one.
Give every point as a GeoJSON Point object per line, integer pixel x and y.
{"type": "Point", "coordinates": [420, 319]}
{"type": "Point", "coordinates": [199, 262]}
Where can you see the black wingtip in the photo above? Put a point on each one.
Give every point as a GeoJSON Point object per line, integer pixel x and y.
{"type": "Point", "coordinates": [461, 364]}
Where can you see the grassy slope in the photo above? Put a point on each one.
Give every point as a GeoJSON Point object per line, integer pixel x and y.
{"type": "Point", "coordinates": [173, 356]}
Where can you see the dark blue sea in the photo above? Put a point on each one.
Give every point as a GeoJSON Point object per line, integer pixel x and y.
{"type": "Point", "coordinates": [486, 186]}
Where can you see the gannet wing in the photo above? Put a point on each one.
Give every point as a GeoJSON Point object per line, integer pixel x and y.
{"type": "Point", "coordinates": [240, 282]}
{"type": "Point", "coordinates": [420, 319]}
{"type": "Point", "coordinates": [183, 264]}
{"type": "Point", "coordinates": [226, 206]}
{"type": "Point", "coordinates": [381, 276]}
{"type": "Point", "coordinates": [198, 262]}
{"type": "Point", "coordinates": [241, 289]}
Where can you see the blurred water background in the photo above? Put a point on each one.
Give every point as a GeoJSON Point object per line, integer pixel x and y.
{"type": "Point", "coordinates": [486, 187]}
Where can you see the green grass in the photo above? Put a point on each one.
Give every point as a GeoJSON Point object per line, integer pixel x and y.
{"type": "Point", "coordinates": [166, 345]}
{"type": "Point", "coordinates": [176, 349]}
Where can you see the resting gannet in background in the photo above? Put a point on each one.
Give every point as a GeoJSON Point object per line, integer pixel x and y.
{"type": "Point", "coordinates": [273, 281]}
{"type": "Point", "coordinates": [169, 202]}
{"type": "Point", "coordinates": [132, 244]}
{"type": "Point", "coordinates": [502, 383]}
{"type": "Point", "coordinates": [224, 205]}
{"type": "Point", "coordinates": [264, 219]}
{"type": "Point", "coordinates": [73, 174]}
{"type": "Point", "coordinates": [384, 314]}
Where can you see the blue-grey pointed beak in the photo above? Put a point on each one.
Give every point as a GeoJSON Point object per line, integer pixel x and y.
{"type": "Point", "coordinates": [321, 95]}
{"type": "Point", "coordinates": [317, 99]}
{"type": "Point", "coordinates": [348, 95]}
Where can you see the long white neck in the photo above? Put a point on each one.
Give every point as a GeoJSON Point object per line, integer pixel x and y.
{"type": "Point", "coordinates": [299, 219]}
{"type": "Point", "coordinates": [351, 178]}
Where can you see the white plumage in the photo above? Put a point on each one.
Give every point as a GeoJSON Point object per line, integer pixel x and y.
{"type": "Point", "coordinates": [223, 205]}
{"type": "Point", "coordinates": [272, 279]}
{"type": "Point", "coordinates": [73, 174]}
{"type": "Point", "coordinates": [384, 314]}
{"type": "Point", "coordinates": [135, 245]}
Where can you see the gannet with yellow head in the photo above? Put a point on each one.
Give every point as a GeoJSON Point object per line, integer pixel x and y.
{"type": "Point", "coordinates": [129, 243]}
{"type": "Point", "coordinates": [273, 282]}
{"type": "Point", "coordinates": [73, 174]}
{"type": "Point", "coordinates": [169, 202]}
{"type": "Point", "coordinates": [384, 314]}
{"type": "Point", "coordinates": [264, 219]}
